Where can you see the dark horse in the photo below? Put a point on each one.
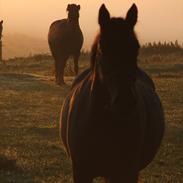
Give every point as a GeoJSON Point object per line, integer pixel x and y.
{"type": "Point", "coordinates": [65, 39]}
{"type": "Point", "coordinates": [1, 30]}
{"type": "Point", "coordinates": [112, 121]}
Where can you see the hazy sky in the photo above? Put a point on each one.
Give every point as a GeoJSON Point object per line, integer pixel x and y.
{"type": "Point", "coordinates": [158, 19]}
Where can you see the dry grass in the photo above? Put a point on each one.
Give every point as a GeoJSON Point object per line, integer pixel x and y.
{"type": "Point", "coordinates": [30, 102]}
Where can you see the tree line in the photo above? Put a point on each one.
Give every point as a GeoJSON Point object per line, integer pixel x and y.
{"type": "Point", "coordinates": [159, 48]}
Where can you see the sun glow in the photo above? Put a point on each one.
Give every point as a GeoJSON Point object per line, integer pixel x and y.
{"type": "Point", "coordinates": [158, 20]}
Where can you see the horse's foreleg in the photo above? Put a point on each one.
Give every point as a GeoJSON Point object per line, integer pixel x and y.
{"type": "Point", "coordinates": [106, 180]}
{"type": "Point", "coordinates": [60, 70]}
{"type": "Point", "coordinates": [56, 71]}
{"type": "Point", "coordinates": [124, 179]}
{"type": "Point", "coordinates": [76, 67]}
{"type": "Point", "coordinates": [80, 176]}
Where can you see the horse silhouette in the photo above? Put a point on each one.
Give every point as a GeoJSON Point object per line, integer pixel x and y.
{"type": "Point", "coordinates": [65, 39]}
{"type": "Point", "coordinates": [112, 120]}
{"type": "Point", "coordinates": [1, 28]}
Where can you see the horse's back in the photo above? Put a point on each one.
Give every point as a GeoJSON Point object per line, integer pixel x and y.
{"type": "Point", "coordinates": [56, 30]}
{"type": "Point", "coordinates": [66, 36]}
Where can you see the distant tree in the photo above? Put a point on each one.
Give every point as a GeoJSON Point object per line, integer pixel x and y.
{"type": "Point", "coordinates": [158, 48]}
{"type": "Point", "coordinates": [177, 44]}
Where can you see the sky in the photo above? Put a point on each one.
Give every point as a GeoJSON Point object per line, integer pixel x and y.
{"type": "Point", "coordinates": [158, 19]}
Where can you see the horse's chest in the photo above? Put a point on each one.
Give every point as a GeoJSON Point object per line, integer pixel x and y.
{"type": "Point", "coordinates": [111, 125]}
{"type": "Point", "coordinates": [74, 36]}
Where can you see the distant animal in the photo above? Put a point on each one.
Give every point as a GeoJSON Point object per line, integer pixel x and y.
{"type": "Point", "coordinates": [1, 28]}
{"type": "Point", "coordinates": [65, 39]}
{"type": "Point", "coordinates": [112, 120]}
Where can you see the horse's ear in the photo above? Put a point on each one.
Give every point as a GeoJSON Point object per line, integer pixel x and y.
{"type": "Point", "coordinates": [132, 15]}
{"type": "Point", "coordinates": [68, 7]}
{"type": "Point", "coordinates": [78, 7]}
{"type": "Point", "coordinates": [1, 22]}
{"type": "Point", "coordinates": [104, 16]}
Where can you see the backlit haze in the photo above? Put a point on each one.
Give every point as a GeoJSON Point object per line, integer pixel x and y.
{"type": "Point", "coordinates": [158, 20]}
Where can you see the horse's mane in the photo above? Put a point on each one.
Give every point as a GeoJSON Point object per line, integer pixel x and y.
{"type": "Point", "coordinates": [94, 51]}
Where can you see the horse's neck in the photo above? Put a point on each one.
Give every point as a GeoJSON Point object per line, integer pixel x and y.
{"type": "Point", "coordinates": [101, 98]}
{"type": "Point", "coordinates": [96, 57]}
{"type": "Point", "coordinates": [99, 80]}
{"type": "Point", "coordinates": [98, 87]}
{"type": "Point", "coordinates": [99, 94]}
{"type": "Point", "coordinates": [94, 52]}
{"type": "Point", "coordinates": [73, 22]}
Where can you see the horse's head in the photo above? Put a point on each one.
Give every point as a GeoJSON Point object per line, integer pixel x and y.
{"type": "Point", "coordinates": [73, 12]}
{"type": "Point", "coordinates": [118, 47]}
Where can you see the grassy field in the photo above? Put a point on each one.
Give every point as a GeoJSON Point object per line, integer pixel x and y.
{"type": "Point", "coordinates": [30, 102]}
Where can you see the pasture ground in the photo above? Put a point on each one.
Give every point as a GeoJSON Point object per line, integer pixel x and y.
{"type": "Point", "coordinates": [30, 102]}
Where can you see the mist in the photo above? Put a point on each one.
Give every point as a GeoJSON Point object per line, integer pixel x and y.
{"type": "Point", "coordinates": [157, 21]}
